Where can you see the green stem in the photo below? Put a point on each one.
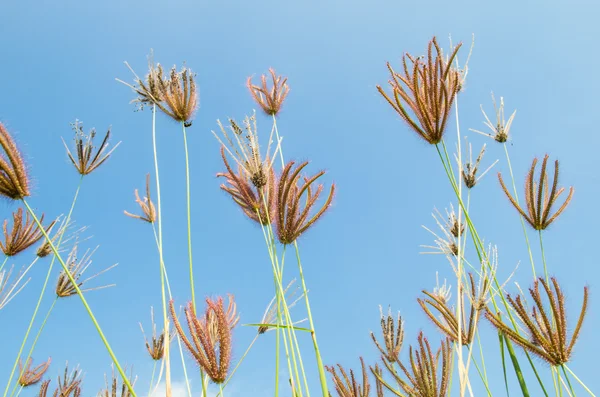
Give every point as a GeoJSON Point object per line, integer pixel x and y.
{"type": "Point", "coordinates": [568, 380]}
{"type": "Point", "coordinates": [152, 378]}
{"type": "Point", "coordinates": [578, 380]}
{"type": "Point", "coordinates": [4, 262]}
{"type": "Point", "coordinates": [189, 214]}
{"type": "Point", "coordinates": [83, 300]}
{"type": "Point", "coordinates": [322, 376]}
{"type": "Point", "coordinates": [543, 256]}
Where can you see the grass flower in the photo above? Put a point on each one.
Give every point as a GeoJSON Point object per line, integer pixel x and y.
{"type": "Point", "coordinates": [292, 220]}
{"type": "Point", "coordinates": [24, 233]}
{"type": "Point", "coordinates": [348, 386]}
{"type": "Point", "coordinates": [68, 386]}
{"type": "Point", "coordinates": [470, 169]}
{"type": "Point", "coordinates": [257, 203]}
{"type": "Point", "coordinates": [77, 267]}
{"type": "Point", "coordinates": [425, 376]}
{"type": "Point", "coordinates": [147, 206]}
{"type": "Point", "coordinates": [14, 182]}
{"type": "Point", "coordinates": [269, 99]}
{"type": "Point", "coordinates": [268, 320]}
{"type": "Point", "coordinates": [448, 244]}
{"type": "Point", "coordinates": [30, 376]}
{"type": "Point", "coordinates": [85, 160]}
{"type": "Point", "coordinates": [156, 346]}
{"type": "Point", "coordinates": [500, 130]}
{"type": "Point", "coordinates": [393, 336]}
{"type": "Point", "coordinates": [113, 389]}
{"type": "Point", "coordinates": [538, 198]}
{"type": "Point", "coordinates": [425, 89]}
{"type": "Point", "coordinates": [547, 329]}
{"type": "Point", "coordinates": [147, 89]}
{"type": "Point", "coordinates": [178, 92]}
{"type": "Point", "coordinates": [211, 335]}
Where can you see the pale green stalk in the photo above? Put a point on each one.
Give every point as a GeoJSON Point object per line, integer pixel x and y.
{"type": "Point", "coordinates": [61, 232]}
{"type": "Point", "coordinates": [578, 380]}
{"type": "Point", "coordinates": [152, 379]}
{"type": "Point", "coordinates": [4, 262]}
{"type": "Point", "coordinates": [512, 178]}
{"type": "Point", "coordinates": [189, 214]}
{"type": "Point", "coordinates": [83, 300]}
{"type": "Point", "coordinates": [568, 380]}
{"type": "Point", "coordinates": [543, 256]}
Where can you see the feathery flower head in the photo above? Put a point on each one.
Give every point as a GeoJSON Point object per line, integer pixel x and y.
{"type": "Point", "coordinates": [30, 376]}
{"type": "Point", "coordinates": [470, 169]}
{"type": "Point", "coordinates": [427, 89]}
{"type": "Point", "coordinates": [14, 182]}
{"type": "Point", "coordinates": [147, 206]}
{"type": "Point", "coordinates": [147, 89]}
{"type": "Point", "coordinates": [112, 388]}
{"type": "Point", "coordinates": [86, 160]}
{"type": "Point", "coordinates": [348, 386]}
{"type": "Point", "coordinates": [538, 198]}
{"type": "Point", "coordinates": [269, 99]}
{"type": "Point", "coordinates": [77, 267]}
{"type": "Point", "coordinates": [499, 131]}
{"type": "Point", "coordinates": [270, 316]}
{"type": "Point", "coordinates": [45, 248]}
{"type": "Point", "coordinates": [425, 377]}
{"type": "Point", "coordinates": [393, 336]}
{"type": "Point", "coordinates": [451, 229]}
{"type": "Point", "coordinates": [23, 235]}
{"type": "Point", "coordinates": [68, 386]}
{"type": "Point", "coordinates": [292, 220]}
{"type": "Point", "coordinates": [257, 204]}
{"type": "Point", "coordinates": [547, 329]}
{"type": "Point", "coordinates": [156, 349]}
{"type": "Point", "coordinates": [442, 292]}
{"type": "Point", "coordinates": [211, 336]}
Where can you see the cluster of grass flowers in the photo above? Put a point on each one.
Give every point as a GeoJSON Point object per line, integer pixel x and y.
{"type": "Point", "coordinates": [286, 202]}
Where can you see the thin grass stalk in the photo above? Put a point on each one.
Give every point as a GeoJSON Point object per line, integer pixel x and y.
{"type": "Point", "coordinates": [16, 363]}
{"type": "Point", "coordinates": [189, 214]}
{"type": "Point", "coordinates": [152, 378]}
{"type": "Point", "coordinates": [557, 388]}
{"type": "Point", "coordinates": [578, 380]}
{"type": "Point", "coordinates": [568, 380]}
{"type": "Point", "coordinates": [543, 255]}
{"type": "Point", "coordinates": [512, 178]}
{"type": "Point", "coordinates": [61, 232]}
{"type": "Point", "coordinates": [83, 300]}
{"type": "Point", "coordinates": [4, 262]}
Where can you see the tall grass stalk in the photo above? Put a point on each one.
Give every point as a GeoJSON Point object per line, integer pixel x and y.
{"type": "Point", "coordinates": [83, 300]}
{"type": "Point", "coordinates": [189, 214]}
{"type": "Point", "coordinates": [578, 380]}
{"type": "Point", "coordinates": [4, 262]}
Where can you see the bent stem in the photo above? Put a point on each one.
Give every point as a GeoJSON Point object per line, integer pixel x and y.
{"type": "Point", "coordinates": [189, 216]}
{"type": "Point", "coordinates": [83, 300]}
{"type": "Point", "coordinates": [578, 380]}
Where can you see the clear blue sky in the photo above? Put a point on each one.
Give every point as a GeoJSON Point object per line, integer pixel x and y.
{"type": "Point", "coordinates": [59, 61]}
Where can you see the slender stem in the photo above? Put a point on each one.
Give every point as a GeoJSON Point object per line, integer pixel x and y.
{"type": "Point", "coordinates": [152, 378]}
{"type": "Point", "coordinates": [83, 300]}
{"type": "Point", "coordinates": [322, 376]}
{"type": "Point", "coordinates": [189, 214]}
{"type": "Point", "coordinates": [543, 255]}
{"type": "Point", "coordinates": [579, 380]}
{"type": "Point", "coordinates": [4, 262]}
{"type": "Point", "coordinates": [568, 380]}
{"type": "Point", "coordinates": [160, 253]}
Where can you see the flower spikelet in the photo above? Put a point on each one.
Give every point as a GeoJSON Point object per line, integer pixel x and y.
{"type": "Point", "coordinates": [393, 336]}
{"type": "Point", "coordinates": [14, 182]}
{"type": "Point", "coordinates": [77, 267]}
{"type": "Point", "coordinates": [30, 376]}
{"type": "Point", "coordinates": [547, 329]}
{"type": "Point", "coordinates": [85, 160]}
{"type": "Point", "coordinates": [427, 89]}
{"type": "Point", "coordinates": [178, 91]}
{"type": "Point", "coordinates": [112, 388]}
{"type": "Point", "coordinates": [539, 198]}
{"type": "Point", "coordinates": [291, 219]}
{"type": "Point", "coordinates": [24, 233]}
{"type": "Point", "coordinates": [269, 99]}
{"type": "Point", "coordinates": [146, 205]}
{"type": "Point", "coordinates": [348, 386]}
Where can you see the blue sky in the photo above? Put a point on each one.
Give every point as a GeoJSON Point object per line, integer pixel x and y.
{"type": "Point", "coordinates": [59, 63]}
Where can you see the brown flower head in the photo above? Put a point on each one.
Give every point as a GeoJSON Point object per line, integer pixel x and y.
{"type": "Point", "coordinates": [178, 92]}
{"type": "Point", "coordinates": [451, 228]}
{"type": "Point", "coordinates": [445, 318]}
{"type": "Point", "coordinates": [427, 91]}
{"type": "Point", "coordinates": [156, 348]}
{"type": "Point", "coordinates": [257, 203]}
{"type": "Point", "coordinates": [538, 199]}
{"type": "Point", "coordinates": [30, 376]}
{"type": "Point", "coordinates": [547, 329]}
{"type": "Point", "coordinates": [348, 386]}
{"type": "Point", "coordinates": [14, 182]}
{"type": "Point", "coordinates": [269, 99]}
{"type": "Point", "coordinates": [113, 389]}
{"type": "Point", "coordinates": [425, 377]}
{"type": "Point", "coordinates": [23, 235]}
{"type": "Point", "coordinates": [211, 335]}
{"type": "Point", "coordinates": [68, 386]}
{"type": "Point", "coordinates": [77, 267]}
{"type": "Point", "coordinates": [147, 89]}
{"type": "Point", "coordinates": [291, 219]}
{"type": "Point", "coordinates": [393, 336]}
{"type": "Point", "coordinates": [499, 131]}
{"type": "Point", "coordinates": [147, 206]}
{"type": "Point", "coordinates": [86, 160]}
{"type": "Point", "coordinates": [470, 169]}
{"type": "Point", "coordinates": [45, 248]}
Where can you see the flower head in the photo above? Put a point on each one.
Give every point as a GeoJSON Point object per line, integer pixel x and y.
{"type": "Point", "coordinates": [178, 92]}
{"type": "Point", "coordinates": [211, 335]}
{"type": "Point", "coordinates": [24, 233]}
{"type": "Point", "coordinates": [426, 89]}
{"type": "Point", "coordinates": [393, 336]}
{"type": "Point", "coordinates": [156, 346]}
{"type": "Point", "coordinates": [147, 206]}
{"type": "Point", "coordinates": [77, 267]}
{"type": "Point", "coordinates": [547, 329]}
{"type": "Point", "coordinates": [291, 219]}
{"type": "Point", "coordinates": [30, 376]}
{"type": "Point", "coordinates": [14, 182]}
{"type": "Point", "coordinates": [112, 388]}
{"type": "Point", "coordinates": [348, 386]}
{"type": "Point", "coordinates": [451, 229]}
{"type": "Point", "coordinates": [499, 131]}
{"type": "Point", "coordinates": [269, 99]}
{"type": "Point", "coordinates": [85, 161]}
{"type": "Point", "coordinates": [470, 169]}
{"type": "Point", "coordinates": [538, 198]}
{"type": "Point", "coordinates": [68, 386]}
{"type": "Point", "coordinates": [270, 317]}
